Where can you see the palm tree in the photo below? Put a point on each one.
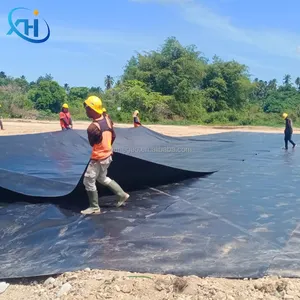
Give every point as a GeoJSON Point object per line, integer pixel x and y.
{"type": "Point", "coordinates": [287, 80]}
{"type": "Point", "coordinates": [95, 90]}
{"type": "Point", "coordinates": [272, 84]}
{"type": "Point", "coordinates": [109, 81]}
{"type": "Point", "coordinates": [297, 82]}
{"type": "Point", "coordinates": [262, 89]}
{"type": "Point", "coordinates": [67, 87]}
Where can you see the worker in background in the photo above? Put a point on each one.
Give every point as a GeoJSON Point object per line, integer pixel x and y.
{"type": "Point", "coordinates": [1, 123]}
{"type": "Point", "coordinates": [136, 119]}
{"type": "Point", "coordinates": [65, 118]}
{"type": "Point", "coordinates": [288, 131]}
{"type": "Point", "coordinates": [101, 136]}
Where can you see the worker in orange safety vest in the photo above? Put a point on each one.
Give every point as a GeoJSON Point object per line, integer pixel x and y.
{"type": "Point", "coordinates": [65, 118]}
{"type": "Point", "coordinates": [101, 136]}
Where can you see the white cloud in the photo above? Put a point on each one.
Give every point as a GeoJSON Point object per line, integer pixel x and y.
{"type": "Point", "coordinates": [270, 41]}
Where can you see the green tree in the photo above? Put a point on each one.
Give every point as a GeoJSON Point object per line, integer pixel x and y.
{"type": "Point", "coordinates": [287, 80]}
{"type": "Point", "coordinates": [22, 83]}
{"type": "Point", "coordinates": [109, 82]}
{"type": "Point", "coordinates": [173, 82]}
{"type": "Point", "coordinates": [272, 85]}
{"type": "Point", "coordinates": [48, 95]}
{"type": "Point", "coordinates": [47, 77]}
{"type": "Point", "coordinates": [97, 91]}
{"type": "Point", "coordinates": [261, 89]}
{"type": "Point", "coordinates": [67, 88]}
{"type": "Point", "coordinates": [228, 84]}
{"type": "Point", "coordinates": [131, 69]}
{"type": "Point", "coordinates": [78, 94]}
{"type": "Point", "coordinates": [165, 69]}
{"type": "Point", "coordinates": [297, 82]}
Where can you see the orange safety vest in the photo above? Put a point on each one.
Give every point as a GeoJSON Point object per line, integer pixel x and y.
{"type": "Point", "coordinates": [135, 124]}
{"type": "Point", "coordinates": [63, 115]}
{"type": "Point", "coordinates": [103, 150]}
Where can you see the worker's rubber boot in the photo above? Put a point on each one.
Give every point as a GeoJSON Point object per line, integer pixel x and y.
{"type": "Point", "coordinates": [94, 206]}
{"type": "Point", "coordinates": [117, 190]}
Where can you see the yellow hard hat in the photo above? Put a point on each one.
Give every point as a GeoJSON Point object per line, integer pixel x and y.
{"type": "Point", "coordinates": [284, 115]}
{"type": "Point", "coordinates": [95, 104]}
{"type": "Point", "coordinates": [65, 105]}
{"type": "Point", "coordinates": [136, 112]}
{"type": "Point", "coordinates": [104, 109]}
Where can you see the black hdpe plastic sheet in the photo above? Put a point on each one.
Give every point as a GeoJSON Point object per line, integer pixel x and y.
{"type": "Point", "coordinates": [224, 205]}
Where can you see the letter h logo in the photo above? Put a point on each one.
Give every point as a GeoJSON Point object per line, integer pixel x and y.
{"type": "Point", "coordinates": [35, 27]}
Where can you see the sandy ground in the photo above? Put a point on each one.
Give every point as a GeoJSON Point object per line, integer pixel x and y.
{"type": "Point", "coordinates": [15, 127]}
{"type": "Point", "coordinates": [103, 284]}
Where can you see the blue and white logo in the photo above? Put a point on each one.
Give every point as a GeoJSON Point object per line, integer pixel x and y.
{"type": "Point", "coordinates": [30, 33]}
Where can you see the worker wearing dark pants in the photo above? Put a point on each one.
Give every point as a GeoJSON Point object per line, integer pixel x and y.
{"type": "Point", "coordinates": [288, 131]}
{"type": "Point", "coordinates": [1, 123]}
{"type": "Point", "coordinates": [288, 138]}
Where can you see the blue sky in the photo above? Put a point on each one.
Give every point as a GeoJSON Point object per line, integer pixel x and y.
{"type": "Point", "coordinates": [94, 38]}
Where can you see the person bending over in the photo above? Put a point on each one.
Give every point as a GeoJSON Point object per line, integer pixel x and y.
{"type": "Point", "coordinates": [136, 119]}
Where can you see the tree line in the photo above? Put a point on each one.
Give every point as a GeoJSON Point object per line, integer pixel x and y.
{"type": "Point", "coordinates": [173, 84]}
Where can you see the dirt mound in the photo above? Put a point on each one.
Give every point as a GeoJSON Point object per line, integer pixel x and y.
{"type": "Point", "coordinates": [97, 284]}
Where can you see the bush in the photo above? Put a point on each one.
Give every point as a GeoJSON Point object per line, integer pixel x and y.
{"type": "Point", "coordinates": [217, 118]}
{"type": "Point", "coordinates": [246, 121]}
{"type": "Point", "coordinates": [233, 116]}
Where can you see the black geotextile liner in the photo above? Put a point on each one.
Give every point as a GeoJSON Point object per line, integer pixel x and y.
{"type": "Point", "coordinates": [240, 221]}
{"type": "Point", "coordinates": [51, 165]}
